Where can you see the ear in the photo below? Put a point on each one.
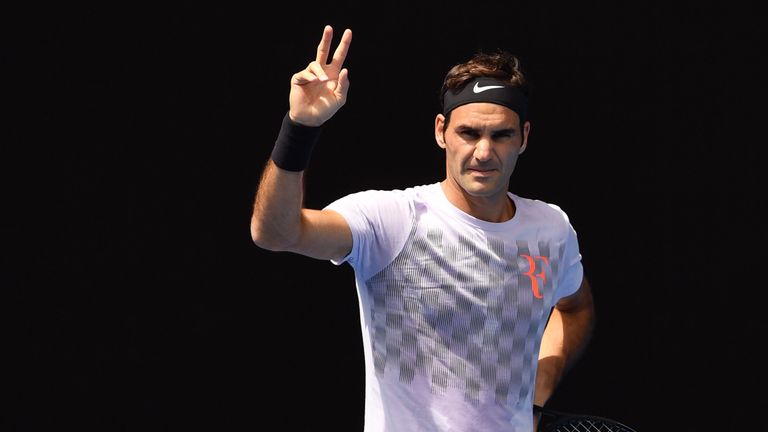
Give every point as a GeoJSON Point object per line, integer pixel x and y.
{"type": "Point", "coordinates": [439, 130]}
{"type": "Point", "coordinates": [526, 132]}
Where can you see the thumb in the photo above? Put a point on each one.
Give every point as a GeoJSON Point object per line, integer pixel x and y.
{"type": "Point", "coordinates": [342, 86]}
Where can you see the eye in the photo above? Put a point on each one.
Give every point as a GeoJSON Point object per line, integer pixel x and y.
{"type": "Point", "coordinates": [506, 134]}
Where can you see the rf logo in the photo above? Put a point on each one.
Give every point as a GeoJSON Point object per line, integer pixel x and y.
{"type": "Point", "coordinates": [531, 273]}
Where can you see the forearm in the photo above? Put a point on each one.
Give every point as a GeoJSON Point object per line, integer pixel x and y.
{"type": "Point", "coordinates": [566, 337]}
{"type": "Point", "coordinates": [551, 361]}
{"type": "Point", "coordinates": [276, 217]}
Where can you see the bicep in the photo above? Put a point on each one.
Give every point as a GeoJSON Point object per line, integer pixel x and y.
{"type": "Point", "coordinates": [579, 301]}
{"type": "Point", "coordinates": [325, 234]}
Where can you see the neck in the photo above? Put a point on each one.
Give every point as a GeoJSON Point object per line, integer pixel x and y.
{"type": "Point", "coordinates": [497, 208]}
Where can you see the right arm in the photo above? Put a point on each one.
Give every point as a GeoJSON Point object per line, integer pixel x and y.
{"type": "Point", "coordinates": [279, 221]}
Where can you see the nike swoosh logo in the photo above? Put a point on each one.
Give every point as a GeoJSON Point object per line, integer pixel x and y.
{"type": "Point", "coordinates": [478, 89]}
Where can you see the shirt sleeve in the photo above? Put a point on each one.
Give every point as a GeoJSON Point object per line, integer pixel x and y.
{"type": "Point", "coordinates": [573, 270]}
{"type": "Point", "coordinates": [380, 222]}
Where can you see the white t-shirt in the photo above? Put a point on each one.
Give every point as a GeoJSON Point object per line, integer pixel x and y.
{"type": "Point", "coordinates": [453, 307]}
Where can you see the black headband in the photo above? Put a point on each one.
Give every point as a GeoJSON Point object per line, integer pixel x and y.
{"type": "Point", "coordinates": [485, 89]}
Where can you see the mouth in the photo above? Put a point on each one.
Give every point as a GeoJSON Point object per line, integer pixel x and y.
{"type": "Point", "coordinates": [484, 172]}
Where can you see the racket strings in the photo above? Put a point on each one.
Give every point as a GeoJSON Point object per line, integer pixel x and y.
{"type": "Point", "coordinates": [583, 425]}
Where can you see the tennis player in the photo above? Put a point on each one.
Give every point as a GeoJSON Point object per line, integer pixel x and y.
{"type": "Point", "coordinates": [473, 300]}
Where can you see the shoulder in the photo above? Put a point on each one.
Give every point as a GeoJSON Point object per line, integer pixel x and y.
{"type": "Point", "coordinates": [542, 210]}
{"type": "Point", "coordinates": [375, 197]}
{"type": "Point", "coordinates": [387, 206]}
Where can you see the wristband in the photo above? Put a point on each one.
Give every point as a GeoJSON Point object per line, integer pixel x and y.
{"type": "Point", "coordinates": [294, 145]}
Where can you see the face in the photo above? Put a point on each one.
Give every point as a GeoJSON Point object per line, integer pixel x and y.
{"type": "Point", "coordinates": [482, 144]}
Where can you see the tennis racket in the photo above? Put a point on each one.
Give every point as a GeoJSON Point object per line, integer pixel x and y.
{"type": "Point", "coordinates": [558, 421]}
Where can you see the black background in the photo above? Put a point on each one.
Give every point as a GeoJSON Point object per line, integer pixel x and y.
{"type": "Point", "coordinates": [133, 140]}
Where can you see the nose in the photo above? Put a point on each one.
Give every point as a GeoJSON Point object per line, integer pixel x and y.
{"type": "Point", "coordinates": [483, 150]}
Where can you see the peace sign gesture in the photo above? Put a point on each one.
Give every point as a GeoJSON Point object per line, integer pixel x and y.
{"type": "Point", "coordinates": [318, 91]}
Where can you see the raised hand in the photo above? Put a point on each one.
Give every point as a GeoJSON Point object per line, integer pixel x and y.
{"type": "Point", "coordinates": [318, 91]}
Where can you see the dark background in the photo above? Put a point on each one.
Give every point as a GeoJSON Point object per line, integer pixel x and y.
{"type": "Point", "coordinates": [133, 140]}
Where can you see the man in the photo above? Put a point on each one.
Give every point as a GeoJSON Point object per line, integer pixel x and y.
{"type": "Point", "coordinates": [462, 285]}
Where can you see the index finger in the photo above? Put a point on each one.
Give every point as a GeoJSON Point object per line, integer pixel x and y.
{"type": "Point", "coordinates": [341, 51]}
{"type": "Point", "coordinates": [325, 45]}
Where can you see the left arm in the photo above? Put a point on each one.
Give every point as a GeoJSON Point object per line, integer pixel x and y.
{"type": "Point", "coordinates": [566, 336]}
